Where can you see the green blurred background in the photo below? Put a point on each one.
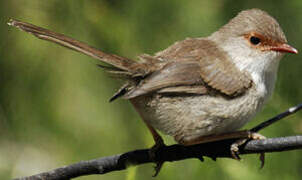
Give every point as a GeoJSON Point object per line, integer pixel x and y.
{"type": "Point", "coordinates": [54, 106]}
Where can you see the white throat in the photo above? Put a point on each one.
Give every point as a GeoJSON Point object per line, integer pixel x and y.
{"type": "Point", "coordinates": [262, 66]}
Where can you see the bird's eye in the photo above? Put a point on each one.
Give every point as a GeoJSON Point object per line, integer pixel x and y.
{"type": "Point", "coordinates": [255, 40]}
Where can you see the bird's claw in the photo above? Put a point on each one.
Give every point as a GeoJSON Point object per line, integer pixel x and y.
{"type": "Point", "coordinates": [235, 148]}
{"type": "Point", "coordinates": [157, 167]}
{"type": "Point", "coordinates": [252, 136]}
{"type": "Point", "coordinates": [152, 153]}
{"type": "Point", "coordinates": [262, 159]}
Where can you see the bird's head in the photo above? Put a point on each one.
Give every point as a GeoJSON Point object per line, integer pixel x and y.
{"type": "Point", "coordinates": [254, 40]}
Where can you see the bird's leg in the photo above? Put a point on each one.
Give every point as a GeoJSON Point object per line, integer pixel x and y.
{"type": "Point", "coordinates": [243, 137]}
{"type": "Point", "coordinates": [159, 142]}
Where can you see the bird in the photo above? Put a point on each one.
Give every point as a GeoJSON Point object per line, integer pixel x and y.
{"type": "Point", "coordinates": [199, 89]}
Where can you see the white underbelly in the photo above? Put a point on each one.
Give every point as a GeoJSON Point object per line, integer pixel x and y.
{"type": "Point", "coordinates": [189, 117]}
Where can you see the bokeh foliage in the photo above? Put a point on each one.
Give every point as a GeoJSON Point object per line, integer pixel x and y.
{"type": "Point", "coordinates": [54, 106]}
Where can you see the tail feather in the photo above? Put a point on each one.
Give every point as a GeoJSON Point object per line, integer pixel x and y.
{"type": "Point", "coordinates": [119, 62]}
{"type": "Point", "coordinates": [117, 73]}
{"type": "Point", "coordinates": [121, 92]}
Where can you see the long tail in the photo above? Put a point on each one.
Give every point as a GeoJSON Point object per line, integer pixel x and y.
{"type": "Point", "coordinates": [119, 62]}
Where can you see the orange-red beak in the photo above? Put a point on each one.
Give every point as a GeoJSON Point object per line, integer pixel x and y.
{"type": "Point", "coordinates": [285, 48]}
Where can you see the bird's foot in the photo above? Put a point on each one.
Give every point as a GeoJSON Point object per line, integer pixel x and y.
{"type": "Point", "coordinates": [251, 136]}
{"type": "Point", "coordinates": [159, 143]}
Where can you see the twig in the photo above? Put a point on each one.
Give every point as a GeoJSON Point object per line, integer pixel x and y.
{"type": "Point", "coordinates": [213, 150]}
{"type": "Point", "coordinates": [280, 116]}
{"type": "Point", "coordinates": [169, 153]}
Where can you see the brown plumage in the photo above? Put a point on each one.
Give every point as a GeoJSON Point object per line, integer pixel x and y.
{"type": "Point", "coordinates": [186, 65]}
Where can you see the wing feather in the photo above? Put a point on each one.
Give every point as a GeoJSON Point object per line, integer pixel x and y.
{"type": "Point", "coordinates": [194, 66]}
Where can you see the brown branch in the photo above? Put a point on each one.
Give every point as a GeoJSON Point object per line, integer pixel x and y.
{"type": "Point", "coordinates": [218, 149]}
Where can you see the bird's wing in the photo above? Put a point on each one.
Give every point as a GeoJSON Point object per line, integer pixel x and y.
{"type": "Point", "coordinates": [174, 77]}
{"type": "Point", "coordinates": [196, 67]}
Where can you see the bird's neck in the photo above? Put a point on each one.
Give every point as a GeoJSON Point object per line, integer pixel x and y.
{"type": "Point", "coordinates": [262, 69]}
{"type": "Point", "coordinates": [263, 75]}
